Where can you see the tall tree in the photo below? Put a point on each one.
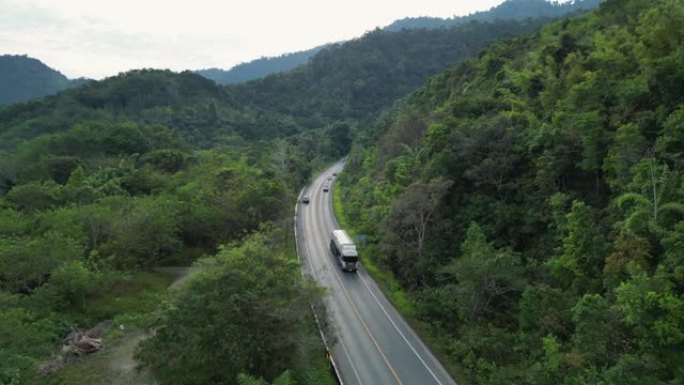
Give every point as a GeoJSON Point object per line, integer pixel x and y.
{"type": "Point", "coordinates": [245, 312]}
{"type": "Point", "coordinates": [410, 218]}
{"type": "Point", "coordinates": [486, 279]}
{"type": "Point", "coordinates": [584, 249]}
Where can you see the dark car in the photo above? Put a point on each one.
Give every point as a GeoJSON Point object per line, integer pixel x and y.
{"type": "Point", "coordinates": [305, 199]}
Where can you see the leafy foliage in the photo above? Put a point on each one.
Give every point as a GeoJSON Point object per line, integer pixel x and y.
{"type": "Point", "coordinates": [519, 197]}
{"type": "Point", "coordinates": [244, 312]}
{"type": "Point", "coordinates": [552, 259]}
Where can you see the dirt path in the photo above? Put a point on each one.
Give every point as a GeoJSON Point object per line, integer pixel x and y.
{"type": "Point", "coordinates": [120, 362]}
{"type": "Point", "coordinates": [121, 365]}
{"type": "Point", "coordinates": [114, 365]}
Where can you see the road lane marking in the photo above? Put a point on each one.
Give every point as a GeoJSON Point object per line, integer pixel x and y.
{"type": "Point", "coordinates": [363, 323]}
{"type": "Point", "coordinates": [344, 347]}
{"type": "Point", "coordinates": [399, 331]}
{"type": "Point", "coordinates": [328, 199]}
{"type": "Point", "coordinates": [386, 315]}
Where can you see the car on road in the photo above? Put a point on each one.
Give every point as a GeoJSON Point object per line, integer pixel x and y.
{"type": "Point", "coordinates": [305, 199]}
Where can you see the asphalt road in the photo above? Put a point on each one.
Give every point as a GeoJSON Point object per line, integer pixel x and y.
{"type": "Point", "coordinates": [374, 344]}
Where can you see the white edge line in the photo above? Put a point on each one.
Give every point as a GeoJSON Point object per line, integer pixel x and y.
{"type": "Point", "coordinates": [399, 331]}
{"type": "Point", "coordinates": [308, 253]}
{"type": "Point", "coordinates": [397, 328]}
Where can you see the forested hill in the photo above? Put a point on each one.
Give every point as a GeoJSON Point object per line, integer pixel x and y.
{"type": "Point", "coordinates": [355, 80]}
{"type": "Point", "coordinates": [547, 173]}
{"type": "Point", "coordinates": [23, 78]}
{"type": "Point", "coordinates": [530, 201]}
{"type": "Point", "coordinates": [259, 68]}
{"type": "Point", "coordinates": [347, 83]}
{"type": "Point", "coordinates": [509, 9]}
{"type": "Point", "coordinates": [102, 184]}
{"type": "Point", "coordinates": [185, 102]}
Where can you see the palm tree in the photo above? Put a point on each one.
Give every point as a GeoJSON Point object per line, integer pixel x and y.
{"type": "Point", "coordinates": [647, 208]}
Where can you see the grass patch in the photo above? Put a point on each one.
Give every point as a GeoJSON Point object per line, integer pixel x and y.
{"type": "Point", "coordinates": [129, 295]}
{"type": "Point", "coordinates": [135, 293]}
{"type": "Point", "coordinates": [113, 365]}
{"type": "Point", "coordinates": [131, 300]}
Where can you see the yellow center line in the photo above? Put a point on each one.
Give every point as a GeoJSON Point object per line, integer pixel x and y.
{"type": "Point", "coordinates": [358, 315]}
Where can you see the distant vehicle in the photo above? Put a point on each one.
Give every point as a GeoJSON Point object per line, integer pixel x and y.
{"type": "Point", "coordinates": [344, 250]}
{"type": "Point", "coordinates": [330, 177]}
{"type": "Point", "coordinates": [305, 199]}
{"type": "Point", "coordinates": [334, 174]}
{"type": "Point", "coordinates": [326, 187]}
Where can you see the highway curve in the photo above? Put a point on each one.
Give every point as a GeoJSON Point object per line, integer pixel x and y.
{"type": "Point", "coordinates": [375, 346]}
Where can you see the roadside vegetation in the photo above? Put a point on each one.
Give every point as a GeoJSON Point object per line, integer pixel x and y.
{"type": "Point", "coordinates": [524, 204]}
{"type": "Point", "coordinates": [529, 202]}
{"type": "Point", "coordinates": [151, 168]}
{"type": "Point", "coordinates": [131, 307]}
{"type": "Point", "coordinates": [246, 310]}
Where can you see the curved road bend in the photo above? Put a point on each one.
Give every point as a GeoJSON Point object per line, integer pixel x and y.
{"type": "Point", "coordinates": [375, 346]}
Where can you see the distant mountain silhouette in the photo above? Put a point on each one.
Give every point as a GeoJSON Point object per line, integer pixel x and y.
{"type": "Point", "coordinates": [510, 9]}
{"type": "Point", "coordinates": [259, 68]}
{"type": "Point", "coordinates": [23, 78]}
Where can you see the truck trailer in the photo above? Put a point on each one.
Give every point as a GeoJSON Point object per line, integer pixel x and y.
{"type": "Point", "coordinates": [344, 250]}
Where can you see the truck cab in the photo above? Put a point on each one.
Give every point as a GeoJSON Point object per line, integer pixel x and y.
{"type": "Point", "coordinates": [344, 249]}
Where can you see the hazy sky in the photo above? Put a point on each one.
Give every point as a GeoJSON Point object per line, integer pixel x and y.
{"type": "Point", "coordinates": [100, 38]}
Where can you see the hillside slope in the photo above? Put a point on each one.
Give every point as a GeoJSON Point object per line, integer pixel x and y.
{"type": "Point", "coordinates": [23, 78]}
{"type": "Point", "coordinates": [259, 68]}
{"type": "Point", "coordinates": [529, 201]}
{"type": "Point", "coordinates": [508, 10]}
{"type": "Point", "coordinates": [355, 80]}
{"type": "Point", "coordinates": [347, 83]}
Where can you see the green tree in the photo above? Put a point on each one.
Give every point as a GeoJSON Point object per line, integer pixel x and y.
{"type": "Point", "coordinates": [70, 285]}
{"type": "Point", "coordinates": [646, 208]}
{"type": "Point", "coordinates": [35, 196]}
{"type": "Point", "coordinates": [654, 310]}
{"type": "Point", "coordinates": [598, 332]}
{"type": "Point", "coordinates": [409, 220]}
{"type": "Point", "coordinates": [27, 262]}
{"type": "Point", "coordinates": [25, 338]}
{"type": "Point", "coordinates": [545, 310]}
{"type": "Point", "coordinates": [668, 144]}
{"type": "Point", "coordinates": [145, 231]}
{"type": "Point", "coordinates": [340, 139]}
{"type": "Point", "coordinates": [488, 280]}
{"type": "Point", "coordinates": [8, 174]}
{"type": "Point", "coordinates": [245, 312]}
{"type": "Point", "coordinates": [629, 146]}
{"type": "Point", "coordinates": [584, 249]}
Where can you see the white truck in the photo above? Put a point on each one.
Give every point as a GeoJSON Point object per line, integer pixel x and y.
{"type": "Point", "coordinates": [344, 250]}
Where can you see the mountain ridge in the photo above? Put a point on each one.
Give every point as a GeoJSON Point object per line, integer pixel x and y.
{"type": "Point", "coordinates": [23, 78]}
{"type": "Point", "coordinates": [508, 10]}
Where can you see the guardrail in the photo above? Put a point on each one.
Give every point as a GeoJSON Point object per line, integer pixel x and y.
{"type": "Point", "coordinates": [328, 351]}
